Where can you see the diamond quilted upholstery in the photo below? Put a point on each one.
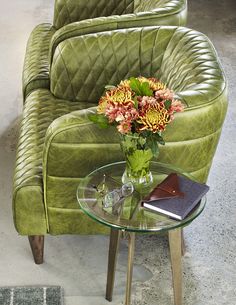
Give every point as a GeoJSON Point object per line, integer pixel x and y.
{"type": "Point", "coordinates": [41, 108]}
{"type": "Point", "coordinates": [183, 58]}
{"type": "Point", "coordinates": [68, 11]}
{"type": "Point", "coordinates": [74, 18]}
{"type": "Point", "coordinates": [165, 6]}
{"type": "Point", "coordinates": [111, 23]}
{"type": "Point", "coordinates": [36, 72]}
{"type": "Point", "coordinates": [110, 57]}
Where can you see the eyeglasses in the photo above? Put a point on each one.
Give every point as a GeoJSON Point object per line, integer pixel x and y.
{"type": "Point", "coordinates": [117, 195]}
{"type": "Point", "coordinates": [111, 198]}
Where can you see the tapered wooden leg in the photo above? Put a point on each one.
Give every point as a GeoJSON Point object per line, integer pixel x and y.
{"type": "Point", "coordinates": [176, 256]}
{"type": "Point", "coordinates": [37, 247]}
{"type": "Point", "coordinates": [130, 268]}
{"type": "Point", "coordinates": [112, 258]}
{"type": "Point", "coordinates": [183, 247]}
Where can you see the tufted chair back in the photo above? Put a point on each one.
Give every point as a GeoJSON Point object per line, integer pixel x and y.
{"type": "Point", "coordinates": [74, 18]}
{"type": "Point", "coordinates": [110, 57]}
{"type": "Point", "coordinates": [152, 51]}
{"type": "Point", "coordinates": [149, 5]}
{"type": "Point", "coordinates": [68, 11]}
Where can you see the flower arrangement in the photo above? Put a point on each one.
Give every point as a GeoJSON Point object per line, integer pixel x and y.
{"type": "Point", "coordinates": [141, 107]}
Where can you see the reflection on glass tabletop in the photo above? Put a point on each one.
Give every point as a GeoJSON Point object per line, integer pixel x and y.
{"type": "Point", "coordinates": [103, 197]}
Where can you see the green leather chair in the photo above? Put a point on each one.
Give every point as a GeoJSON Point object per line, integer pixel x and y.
{"type": "Point", "coordinates": [79, 17]}
{"type": "Point", "coordinates": [58, 145]}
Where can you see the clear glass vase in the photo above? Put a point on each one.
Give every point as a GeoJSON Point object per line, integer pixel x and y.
{"type": "Point", "coordinates": [137, 156]}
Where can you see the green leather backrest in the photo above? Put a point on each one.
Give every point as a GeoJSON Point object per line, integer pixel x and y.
{"type": "Point", "coordinates": [148, 5]}
{"type": "Point", "coordinates": [83, 65]}
{"type": "Point", "coordinates": [172, 12]}
{"type": "Point", "coordinates": [181, 57]}
{"type": "Point", "coordinates": [68, 11]}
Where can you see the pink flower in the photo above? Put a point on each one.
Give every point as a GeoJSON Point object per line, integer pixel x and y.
{"type": "Point", "coordinates": [119, 117]}
{"type": "Point", "coordinates": [177, 106]}
{"type": "Point", "coordinates": [146, 100]}
{"type": "Point", "coordinates": [124, 127]}
{"type": "Point", "coordinates": [121, 112]}
{"type": "Point", "coordinates": [164, 94]}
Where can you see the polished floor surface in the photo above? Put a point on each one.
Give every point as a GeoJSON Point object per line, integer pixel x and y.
{"type": "Point", "coordinates": [78, 263]}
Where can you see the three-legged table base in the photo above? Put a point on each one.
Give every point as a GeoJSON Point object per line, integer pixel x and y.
{"type": "Point", "coordinates": [176, 249]}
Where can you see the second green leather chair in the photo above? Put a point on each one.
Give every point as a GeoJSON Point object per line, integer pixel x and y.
{"type": "Point", "coordinates": [79, 17]}
{"type": "Point", "coordinates": [58, 145]}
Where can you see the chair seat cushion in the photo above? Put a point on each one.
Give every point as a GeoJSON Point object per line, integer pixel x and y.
{"type": "Point", "coordinates": [40, 109]}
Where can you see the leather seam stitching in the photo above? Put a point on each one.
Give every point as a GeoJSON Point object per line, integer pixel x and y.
{"type": "Point", "coordinates": [169, 142]}
{"type": "Point", "coordinates": [67, 177]}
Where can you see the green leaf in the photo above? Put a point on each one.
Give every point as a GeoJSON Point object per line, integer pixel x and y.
{"type": "Point", "coordinates": [159, 138]}
{"type": "Point", "coordinates": [139, 159]}
{"type": "Point", "coordinates": [127, 143]}
{"type": "Point", "coordinates": [93, 117]}
{"type": "Point", "coordinates": [135, 102]}
{"type": "Point", "coordinates": [135, 85]}
{"type": "Point", "coordinates": [145, 89]}
{"type": "Point", "coordinates": [141, 141]}
{"type": "Point", "coordinates": [141, 89]}
{"type": "Point", "coordinates": [99, 119]}
{"type": "Point", "coordinates": [152, 143]}
{"type": "Point", "coordinates": [167, 104]}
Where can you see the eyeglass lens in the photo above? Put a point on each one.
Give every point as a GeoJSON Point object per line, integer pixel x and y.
{"type": "Point", "coordinates": [114, 196]}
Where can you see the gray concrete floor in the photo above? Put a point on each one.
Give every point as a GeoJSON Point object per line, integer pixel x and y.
{"type": "Point", "coordinates": [78, 263]}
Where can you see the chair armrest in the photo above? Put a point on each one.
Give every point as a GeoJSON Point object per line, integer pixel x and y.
{"type": "Point", "coordinates": [74, 146]}
{"type": "Point", "coordinates": [191, 67]}
{"type": "Point", "coordinates": [36, 63]}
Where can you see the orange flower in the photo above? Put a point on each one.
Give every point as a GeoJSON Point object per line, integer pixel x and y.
{"type": "Point", "coordinates": [118, 95]}
{"type": "Point", "coordinates": [125, 83]}
{"type": "Point", "coordinates": [153, 82]}
{"type": "Point", "coordinates": [154, 118]}
{"type": "Point", "coordinates": [156, 85]}
{"type": "Point", "coordinates": [102, 105]}
{"type": "Point", "coordinates": [121, 95]}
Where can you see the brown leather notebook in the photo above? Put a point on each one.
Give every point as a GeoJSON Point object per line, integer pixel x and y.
{"type": "Point", "coordinates": [167, 198]}
{"type": "Point", "coordinates": [168, 188]}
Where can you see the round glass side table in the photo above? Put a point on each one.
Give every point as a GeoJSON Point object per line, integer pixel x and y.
{"type": "Point", "coordinates": [103, 197]}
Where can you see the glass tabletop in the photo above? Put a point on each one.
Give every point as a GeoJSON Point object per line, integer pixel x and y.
{"type": "Point", "coordinates": [103, 186]}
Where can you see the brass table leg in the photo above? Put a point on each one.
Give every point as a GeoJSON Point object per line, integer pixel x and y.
{"type": "Point", "coordinates": [183, 242]}
{"type": "Point", "coordinates": [131, 237]}
{"type": "Point", "coordinates": [112, 258]}
{"type": "Point", "coordinates": [175, 242]}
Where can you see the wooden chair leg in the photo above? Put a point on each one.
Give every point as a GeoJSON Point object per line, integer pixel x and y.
{"type": "Point", "coordinates": [37, 247]}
